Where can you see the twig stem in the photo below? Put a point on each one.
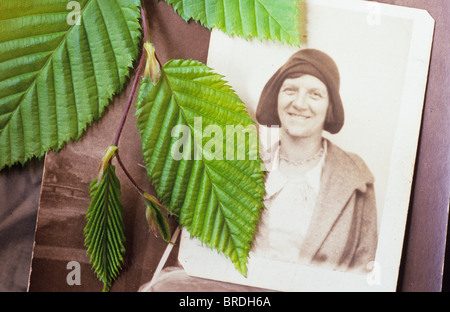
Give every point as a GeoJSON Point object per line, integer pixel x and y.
{"type": "Point", "coordinates": [122, 166]}
{"type": "Point", "coordinates": [136, 80]}
{"type": "Point", "coordinates": [130, 100]}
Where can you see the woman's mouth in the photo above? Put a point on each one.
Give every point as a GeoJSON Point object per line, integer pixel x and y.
{"type": "Point", "coordinates": [299, 116]}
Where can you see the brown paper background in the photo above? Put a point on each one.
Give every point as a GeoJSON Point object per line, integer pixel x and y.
{"type": "Point", "coordinates": [64, 193]}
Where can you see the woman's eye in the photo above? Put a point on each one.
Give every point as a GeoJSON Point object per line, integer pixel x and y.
{"type": "Point", "coordinates": [290, 91]}
{"type": "Point", "coordinates": [316, 95]}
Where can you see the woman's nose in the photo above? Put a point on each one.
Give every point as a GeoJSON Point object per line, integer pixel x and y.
{"type": "Point", "coordinates": [300, 101]}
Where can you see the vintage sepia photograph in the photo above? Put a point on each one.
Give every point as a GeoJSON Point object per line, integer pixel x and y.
{"type": "Point", "coordinates": [320, 200]}
{"type": "Point", "coordinates": [338, 121]}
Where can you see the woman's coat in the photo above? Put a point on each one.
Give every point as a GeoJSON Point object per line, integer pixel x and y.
{"type": "Point", "coordinates": [342, 234]}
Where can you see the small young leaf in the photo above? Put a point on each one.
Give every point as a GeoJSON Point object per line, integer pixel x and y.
{"type": "Point", "coordinates": [156, 220]}
{"type": "Point", "coordinates": [217, 196]}
{"type": "Point", "coordinates": [263, 19]}
{"type": "Point", "coordinates": [105, 230]}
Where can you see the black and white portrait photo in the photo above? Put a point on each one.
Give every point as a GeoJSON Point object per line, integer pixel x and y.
{"type": "Point", "coordinates": [338, 120]}
{"type": "Point", "coordinates": [320, 200]}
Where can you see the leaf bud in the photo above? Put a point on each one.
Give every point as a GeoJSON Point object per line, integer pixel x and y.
{"type": "Point", "coordinates": [152, 67]}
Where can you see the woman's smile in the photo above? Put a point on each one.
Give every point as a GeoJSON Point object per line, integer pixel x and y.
{"type": "Point", "coordinates": [299, 116]}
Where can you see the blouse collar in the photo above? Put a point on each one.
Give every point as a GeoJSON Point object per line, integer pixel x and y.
{"type": "Point", "coordinates": [276, 181]}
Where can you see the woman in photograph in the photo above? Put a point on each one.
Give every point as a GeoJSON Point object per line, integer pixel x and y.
{"type": "Point", "coordinates": [320, 201]}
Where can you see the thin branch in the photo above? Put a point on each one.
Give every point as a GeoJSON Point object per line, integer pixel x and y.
{"type": "Point", "coordinates": [136, 80]}
{"type": "Point", "coordinates": [144, 22]}
{"type": "Point", "coordinates": [137, 187]}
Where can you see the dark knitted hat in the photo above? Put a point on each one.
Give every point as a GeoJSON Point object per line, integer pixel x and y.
{"type": "Point", "coordinates": [304, 62]}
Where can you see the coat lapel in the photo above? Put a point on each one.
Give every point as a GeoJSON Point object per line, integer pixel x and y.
{"type": "Point", "coordinates": [341, 176]}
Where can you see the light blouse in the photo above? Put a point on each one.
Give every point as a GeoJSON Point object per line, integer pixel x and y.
{"type": "Point", "coordinates": [289, 205]}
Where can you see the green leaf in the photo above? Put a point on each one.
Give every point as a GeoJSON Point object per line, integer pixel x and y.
{"type": "Point", "coordinates": [217, 192]}
{"type": "Point", "coordinates": [105, 230]}
{"type": "Point", "coordinates": [57, 78]}
{"type": "Point", "coordinates": [263, 19]}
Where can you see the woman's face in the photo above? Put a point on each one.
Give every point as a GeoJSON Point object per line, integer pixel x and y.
{"type": "Point", "coordinates": [302, 106]}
